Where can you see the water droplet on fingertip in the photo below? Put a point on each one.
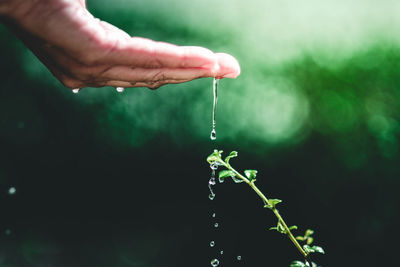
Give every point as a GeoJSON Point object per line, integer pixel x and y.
{"type": "Point", "coordinates": [76, 90]}
{"type": "Point", "coordinates": [120, 89]}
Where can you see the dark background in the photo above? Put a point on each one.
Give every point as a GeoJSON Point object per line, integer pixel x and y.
{"type": "Point", "coordinates": [108, 179]}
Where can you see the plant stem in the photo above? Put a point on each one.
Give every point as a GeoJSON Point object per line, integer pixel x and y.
{"type": "Point", "coordinates": [268, 204]}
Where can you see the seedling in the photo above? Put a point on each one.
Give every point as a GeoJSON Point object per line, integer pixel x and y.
{"type": "Point", "coordinates": [215, 160]}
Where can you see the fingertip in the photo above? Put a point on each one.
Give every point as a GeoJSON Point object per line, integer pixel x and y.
{"type": "Point", "coordinates": [228, 66]}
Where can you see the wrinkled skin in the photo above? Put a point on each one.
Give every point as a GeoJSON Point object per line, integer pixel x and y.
{"type": "Point", "coordinates": [81, 50]}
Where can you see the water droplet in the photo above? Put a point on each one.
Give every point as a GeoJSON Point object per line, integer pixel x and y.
{"type": "Point", "coordinates": [214, 167]}
{"type": "Point", "coordinates": [7, 232]}
{"type": "Point", "coordinates": [76, 90]}
{"type": "Point", "coordinates": [212, 243]}
{"type": "Point", "coordinates": [213, 134]}
{"type": "Point", "coordinates": [221, 252]}
{"type": "Point", "coordinates": [216, 225]}
{"type": "Point", "coordinates": [213, 215]}
{"type": "Point", "coordinates": [12, 191]}
{"type": "Point", "coordinates": [120, 89]}
{"type": "Point", "coordinates": [211, 196]}
{"type": "Point", "coordinates": [221, 180]}
{"type": "Point", "coordinates": [214, 262]}
{"type": "Point", "coordinates": [211, 181]}
{"type": "Point", "coordinates": [239, 258]}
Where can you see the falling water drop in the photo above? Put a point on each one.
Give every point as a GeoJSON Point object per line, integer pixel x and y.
{"type": "Point", "coordinates": [213, 135]}
{"type": "Point", "coordinates": [7, 232]}
{"type": "Point", "coordinates": [120, 89]}
{"type": "Point", "coordinates": [211, 196]}
{"type": "Point", "coordinates": [12, 191]}
{"type": "Point", "coordinates": [76, 90]}
{"type": "Point", "coordinates": [216, 225]}
{"type": "Point", "coordinates": [212, 243]}
{"type": "Point", "coordinates": [214, 263]}
{"type": "Point", "coordinates": [221, 252]}
{"type": "Point", "coordinates": [239, 258]}
{"type": "Point", "coordinates": [213, 215]}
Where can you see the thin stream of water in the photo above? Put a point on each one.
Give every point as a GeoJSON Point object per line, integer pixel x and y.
{"type": "Point", "coordinates": [213, 134]}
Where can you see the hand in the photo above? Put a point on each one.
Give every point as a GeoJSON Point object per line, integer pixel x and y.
{"type": "Point", "coordinates": [82, 51]}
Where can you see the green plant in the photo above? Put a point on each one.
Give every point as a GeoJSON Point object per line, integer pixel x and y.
{"type": "Point", "coordinates": [249, 177]}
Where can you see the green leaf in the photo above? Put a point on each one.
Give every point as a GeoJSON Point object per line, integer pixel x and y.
{"type": "Point", "coordinates": [293, 227]}
{"type": "Point", "coordinates": [297, 264]}
{"type": "Point", "coordinates": [231, 155]}
{"type": "Point", "coordinates": [309, 232]}
{"type": "Point", "coordinates": [251, 174]}
{"type": "Point", "coordinates": [300, 238]}
{"type": "Point", "coordinates": [215, 156]}
{"type": "Point", "coordinates": [308, 249]}
{"type": "Point", "coordinates": [225, 173]}
{"type": "Point", "coordinates": [279, 227]}
{"type": "Point", "coordinates": [309, 240]}
{"type": "Point", "coordinates": [318, 249]}
{"type": "Point", "coordinates": [274, 201]}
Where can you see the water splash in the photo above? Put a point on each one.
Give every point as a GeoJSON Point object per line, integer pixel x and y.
{"type": "Point", "coordinates": [213, 134]}
{"type": "Point", "coordinates": [211, 182]}
{"type": "Point", "coordinates": [214, 262]}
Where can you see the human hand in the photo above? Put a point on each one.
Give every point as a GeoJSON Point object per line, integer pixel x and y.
{"type": "Point", "coordinates": [82, 51]}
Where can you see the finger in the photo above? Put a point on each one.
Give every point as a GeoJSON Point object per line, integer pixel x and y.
{"type": "Point", "coordinates": [150, 85]}
{"type": "Point", "coordinates": [228, 66]}
{"type": "Point", "coordinates": [146, 53]}
{"type": "Point", "coordinates": [129, 74]}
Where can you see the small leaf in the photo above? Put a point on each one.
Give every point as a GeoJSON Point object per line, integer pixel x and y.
{"type": "Point", "coordinates": [225, 173]}
{"type": "Point", "coordinates": [231, 155]}
{"type": "Point", "coordinates": [214, 156]}
{"type": "Point", "coordinates": [274, 201]}
{"type": "Point", "coordinates": [297, 264]}
{"type": "Point", "coordinates": [308, 249]}
{"type": "Point", "coordinates": [279, 227]}
{"type": "Point", "coordinates": [293, 227]}
{"type": "Point", "coordinates": [309, 232]}
{"type": "Point", "coordinates": [236, 179]}
{"type": "Point", "coordinates": [251, 174]}
{"type": "Point", "coordinates": [300, 238]}
{"type": "Point", "coordinates": [309, 240]}
{"type": "Point", "coordinates": [318, 249]}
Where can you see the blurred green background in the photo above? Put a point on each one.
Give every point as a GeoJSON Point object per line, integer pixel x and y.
{"type": "Point", "coordinates": [108, 179]}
